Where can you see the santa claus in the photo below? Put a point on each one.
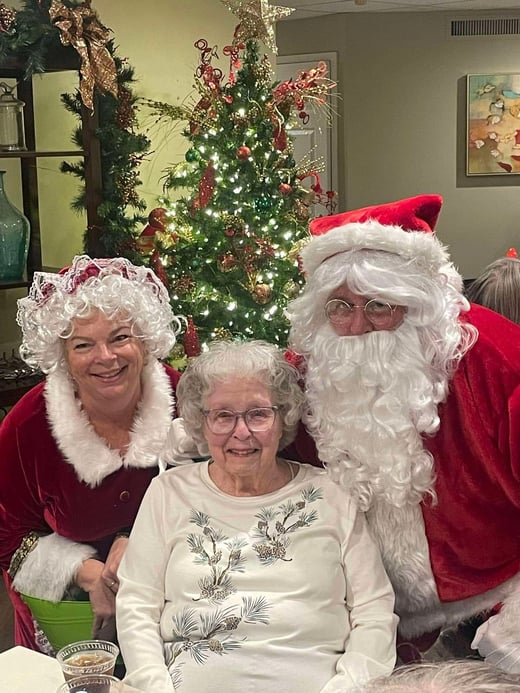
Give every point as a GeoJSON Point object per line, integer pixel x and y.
{"type": "Point", "coordinates": [414, 405]}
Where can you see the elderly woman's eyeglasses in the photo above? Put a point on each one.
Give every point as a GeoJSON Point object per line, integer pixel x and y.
{"type": "Point", "coordinates": [224, 420]}
{"type": "Point", "coordinates": [378, 313]}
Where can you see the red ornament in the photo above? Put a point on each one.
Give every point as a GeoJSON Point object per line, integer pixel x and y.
{"type": "Point", "coordinates": [191, 339]}
{"type": "Point", "coordinates": [226, 262]}
{"type": "Point", "coordinates": [156, 222]}
{"type": "Point", "coordinates": [157, 218]}
{"type": "Point", "coordinates": [243, 152]}
{"type": "Point", "coordinates": [285, 188]}
{"type": "Point", "coordinates": [158, 268]}
{"type": "Point", "coordinates": [512, 252]}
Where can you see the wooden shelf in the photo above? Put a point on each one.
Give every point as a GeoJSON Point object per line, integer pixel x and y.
{"type": "Point", "coordinates": [25, 154]}
{"type": "Point", "coordinates": [13, 283]}
{"type": "Point", "coordinates": [58, 59]}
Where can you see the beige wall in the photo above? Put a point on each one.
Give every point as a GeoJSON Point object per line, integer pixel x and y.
{"type": "Point", "coordinates": [401, 126]}
{"type": "Point", "coordinates": [157, 38]}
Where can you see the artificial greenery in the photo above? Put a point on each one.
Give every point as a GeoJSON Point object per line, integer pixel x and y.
{"type": "Point", "coordinates": [29, 38]}
{"type": "Point", "coordinates": [122, 150]}
{"type": "Point", "coordinates": [228, 249]}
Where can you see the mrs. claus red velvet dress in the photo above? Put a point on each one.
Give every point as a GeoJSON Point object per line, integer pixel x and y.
{"type": "Point", "coordinates": [59, 479]}
{"type": "Point", "coordinates": [473, 531]}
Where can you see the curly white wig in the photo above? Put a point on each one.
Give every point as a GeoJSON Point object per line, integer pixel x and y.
{"type": "Point", "coordinates": [113, 286]}
{"type": "Point", "coordinates": [227, 360]}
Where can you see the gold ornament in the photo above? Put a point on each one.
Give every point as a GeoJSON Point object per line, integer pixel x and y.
{"type": "Point", "coordinates": [177, 358]}
{"type": "Point", "coordinates": [301, 210]}
{"type": "Point", "coordinates": [297, 248]}
{"type": "Point", "coordinates": [291, 289]}
{"type": "Point", "coordinates": [81, 28]}
{"type": "Point", "coordinates": [184, 285]}
{"type": "Point", "coordinates": [167, 239]}
{"type": "Point", "coordinates": [177, 352]}
{"type": "Point", "coordinates": [221, 333]}
{"type": "Point", "coordinates": [239, 121]}
{"type": "Point", "coordinates": [262, 294]}
{"type": "Point", "coordinates": [7, 18]}
{"type": "Point", "coordinates": [125, 115]}
{"type": "Point", "coordinates": [257, 19]}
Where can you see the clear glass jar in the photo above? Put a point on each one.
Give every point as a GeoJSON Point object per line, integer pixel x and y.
{"type": "Point", "coordinates": [12, 133]}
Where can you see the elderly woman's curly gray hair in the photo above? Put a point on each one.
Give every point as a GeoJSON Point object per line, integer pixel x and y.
{"type": "Point", "coordinates": [227, 361]}
{"type": "Point", "coordinates": [115, 287]}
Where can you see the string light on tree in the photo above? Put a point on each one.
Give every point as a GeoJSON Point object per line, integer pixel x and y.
{"type": "Point", "coordinates": [241, 205]}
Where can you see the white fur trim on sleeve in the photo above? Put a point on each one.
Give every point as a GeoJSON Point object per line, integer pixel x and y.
{"type": "Point", "coordinates": [510, 611]}
{"type": "Point", "coordinates": [180, 448]}
{"type": "Point", "coordinates": [50, 567]}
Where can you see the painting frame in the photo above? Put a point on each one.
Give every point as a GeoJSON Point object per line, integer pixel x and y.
{"type": "Point", "coordinates": [493, 124]}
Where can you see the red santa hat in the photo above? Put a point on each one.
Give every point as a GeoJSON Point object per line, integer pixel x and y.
{"type": "Point", "coordinates": [405, 227]}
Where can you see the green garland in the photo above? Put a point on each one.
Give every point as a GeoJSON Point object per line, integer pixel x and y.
{"type": "Point", "coordinates": [28, 37]}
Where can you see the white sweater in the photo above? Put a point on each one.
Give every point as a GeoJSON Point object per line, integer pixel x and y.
{"type": "Point", "coordinates": [282, 592]}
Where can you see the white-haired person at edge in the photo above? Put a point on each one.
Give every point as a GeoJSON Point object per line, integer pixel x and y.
{"type": "Point", "coordinates": [249, 572]}
{"type": "Point", "coordinates": [498, 287]}
{"type": "Point", "coordinates": [79, 450]}
{"type": "Point", "coordinates": [455, 676]}
{"type": "Point", "coordinates": [414, 406]}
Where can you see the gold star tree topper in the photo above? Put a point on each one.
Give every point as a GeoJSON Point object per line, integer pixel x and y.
{"type": "Point", "coordinates": [257, 19]}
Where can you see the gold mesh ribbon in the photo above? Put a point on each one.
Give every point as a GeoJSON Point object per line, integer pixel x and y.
{"type": "Point", "coordinates": [80, 27]}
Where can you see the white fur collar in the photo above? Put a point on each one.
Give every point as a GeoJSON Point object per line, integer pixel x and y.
{"type": "Point", "coordinates": [91, 458]}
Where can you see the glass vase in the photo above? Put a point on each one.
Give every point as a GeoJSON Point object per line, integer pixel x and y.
{"type": "Point", "coordinates": [14, 237]}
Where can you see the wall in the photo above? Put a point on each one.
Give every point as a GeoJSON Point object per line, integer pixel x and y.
{"type": "Point", "coordinates": [401, 123]}
{"type": "Point", "coordinates": [157, 39]}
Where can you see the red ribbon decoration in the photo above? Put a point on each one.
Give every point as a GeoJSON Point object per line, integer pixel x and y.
{"type": "Point", "coordinates": [206, 187]}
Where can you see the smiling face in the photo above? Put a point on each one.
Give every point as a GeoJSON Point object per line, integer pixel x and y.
{"type": "Point", "coordinates": [241, 454]}
{"type": "Point", "coordinates": [105, 361]}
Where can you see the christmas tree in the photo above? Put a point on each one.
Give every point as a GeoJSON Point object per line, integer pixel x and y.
{"type": "Point", "coordinates": [227, 248]}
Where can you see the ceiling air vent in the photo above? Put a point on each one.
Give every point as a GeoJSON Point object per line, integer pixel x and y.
{"type": "Point", "coordinates": [486, 26]}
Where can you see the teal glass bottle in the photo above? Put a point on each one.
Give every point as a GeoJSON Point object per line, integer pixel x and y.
{"type": "Point", "coordinates": [14, 237]}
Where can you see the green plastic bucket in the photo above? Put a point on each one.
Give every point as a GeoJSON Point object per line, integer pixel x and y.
{"type": "Point", "coordinates": [62, 622]}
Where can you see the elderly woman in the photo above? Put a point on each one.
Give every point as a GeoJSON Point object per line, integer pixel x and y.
{"type": "Point", "coordinates": [250, 572]}
{"type": "Point", "coordinates": [79, 450]}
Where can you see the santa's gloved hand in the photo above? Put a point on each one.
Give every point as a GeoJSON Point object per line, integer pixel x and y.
{"type": "Point", "coordinates": [180, 447]}
{"type": "Point", "coordinates": [497, 645]}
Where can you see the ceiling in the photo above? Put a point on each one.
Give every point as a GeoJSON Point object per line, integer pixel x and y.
{"type": "Point", "coordinates": [315, 8]}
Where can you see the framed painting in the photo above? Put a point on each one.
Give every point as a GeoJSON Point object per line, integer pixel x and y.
{"type": "Point", "coordinates": [493, 124]}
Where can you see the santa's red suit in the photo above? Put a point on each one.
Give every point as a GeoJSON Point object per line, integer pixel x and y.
{"type": "Point", "coordinates": [473, 531]}
{"type": "Point", "coordinates": [457, 556]}
{"type": "Point", "coordinates": [59, 480]}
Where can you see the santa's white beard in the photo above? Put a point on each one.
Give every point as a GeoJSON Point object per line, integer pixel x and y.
{"type": "Point", "coordinates": [370, 398]}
